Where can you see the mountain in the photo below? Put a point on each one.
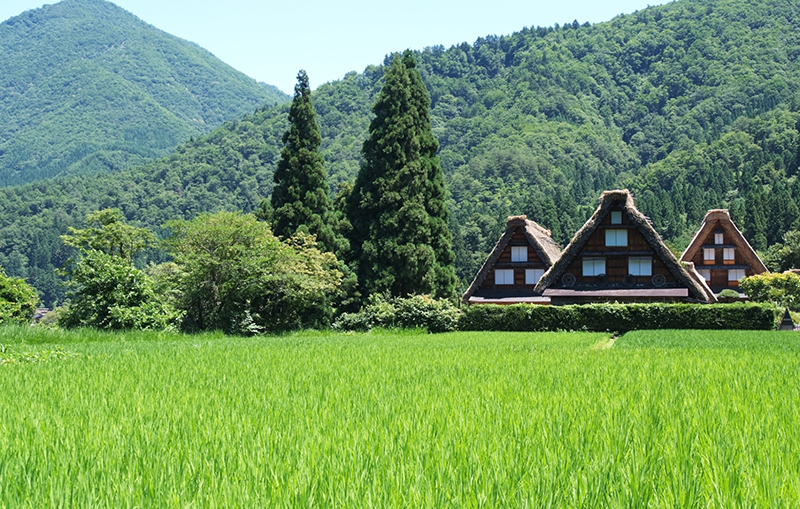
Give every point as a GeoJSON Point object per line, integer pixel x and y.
{"type": "Point", "coordinates": [85, 86]}
{"type": "Point", "coordinates": [693, 105]}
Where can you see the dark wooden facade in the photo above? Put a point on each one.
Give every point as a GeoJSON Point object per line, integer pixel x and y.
{"type": "Point", "coordinates": [522, 255]}
{"type": "Point", "coordinates": [618, 256]}
{"type": "Point", "coordinates": [721, 254]}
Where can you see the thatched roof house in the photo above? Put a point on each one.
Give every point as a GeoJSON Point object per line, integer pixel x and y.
{"type": "Point", "coordinates": [721, 253]}
{"type": "Point", "coordinates": [618, 256]}
{"type": "Point", "coordinates": [510, 273]}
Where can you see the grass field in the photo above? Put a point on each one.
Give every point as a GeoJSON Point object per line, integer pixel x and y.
{"type": "Point", "coordinates": [656, 419]}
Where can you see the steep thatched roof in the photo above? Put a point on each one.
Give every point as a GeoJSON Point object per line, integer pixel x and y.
{"type": "Point", "coordinates": [727, 224]}
{"type": "Point", "coordinates": [697, 290]}
{"type": "Point", "coordinates": [539, 238]}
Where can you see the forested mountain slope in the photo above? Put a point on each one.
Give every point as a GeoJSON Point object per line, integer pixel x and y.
{"type": "Point", "coordinates": [693, 105]}
{"type": "Point", "coordinates": [85, 86]}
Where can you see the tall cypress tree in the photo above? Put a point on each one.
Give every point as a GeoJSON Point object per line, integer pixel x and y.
{"type": "Point", "coordinates": [301, 197]}
{"type": "Point", "coordinates": [400, 240]}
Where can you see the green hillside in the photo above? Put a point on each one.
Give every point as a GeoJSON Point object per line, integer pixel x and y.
{"type": "Point", "coordinates": [693, 105]}
{"type": "Point", "coordinates": [87, 87]}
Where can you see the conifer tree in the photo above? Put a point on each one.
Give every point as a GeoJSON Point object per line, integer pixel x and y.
{"type": "Point", "coordinates": [400, 241]}
{"type": "Point", "coordinates": [301, 197]}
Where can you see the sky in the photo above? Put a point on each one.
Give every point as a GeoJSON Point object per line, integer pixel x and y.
{"type": "Point", "coordinates": [270, 40]}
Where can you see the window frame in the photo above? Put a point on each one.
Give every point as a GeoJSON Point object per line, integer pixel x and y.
{"type": "Point", "coordinates": [614, 234]}
{"type": "Point", "coordinates": [616, 217]}
{"type": "Point", "coordinates": [594, 261]}
{"type": "Point", "coordinates": [726, 251]}
{"type": "Point", "coordinates": [530, 278]}
{"type": "Point", "coordinates": [638, 260]}
{"type": "Point", "coordinates": [515, 252]}
{"type": "Point", "coordinates": [706, 251]}
{"type": "Point", "coordinates": [731, 271]}
{"type": "Point", "coordinates": [719, 238]}
{"type": "Point", "coordinates": [706, 273]}
{"type": "Point", "coordinates": [504, 272]}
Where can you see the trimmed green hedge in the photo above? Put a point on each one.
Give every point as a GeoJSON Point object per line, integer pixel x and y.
{"type": "Point", "coordinates": [618, 317]}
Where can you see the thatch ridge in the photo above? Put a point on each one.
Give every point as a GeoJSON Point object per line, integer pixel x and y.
{"type": "Point", "coordinates": [644, 226]}
{"type": "Point", "coordinates": [539, 238]}
{"type": "Point", "coordinates": [727, 224]}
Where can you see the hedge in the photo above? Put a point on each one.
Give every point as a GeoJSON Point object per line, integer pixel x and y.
{"type": "Point", "coordinates": [618, 317]}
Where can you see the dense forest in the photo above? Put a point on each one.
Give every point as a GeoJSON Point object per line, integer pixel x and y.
{"type": "Point", "coordinates": [87, 87]}
{"type": "Point", "coordinates": [692, 105]}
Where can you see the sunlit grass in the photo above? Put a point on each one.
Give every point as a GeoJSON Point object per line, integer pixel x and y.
{"type": "Point", "coordinates": [402, 420]}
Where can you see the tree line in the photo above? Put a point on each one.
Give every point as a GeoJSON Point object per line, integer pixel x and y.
{"type": "Point", "coordinates": [298, 260]}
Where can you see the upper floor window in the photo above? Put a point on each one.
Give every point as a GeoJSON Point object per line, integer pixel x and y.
{"type": "Point", "coordinates": [519, 253]}
{"type": "Point", "coordinates": [718, 238]}
{"type": "Point", "coordinates": [594, 266]}
{"type": "Point", "coordinates": [504, 277]}
{"type": "Point", "coordinates": [729, 254]}
{"type": "Point", "coordinates": [616, 217]}
{"type": "Point", "coordinates": [616, 237]}
{"type": "Point", "coordinates": [709, 254]}
{"type": "Point", "coordinates": [532, 276]}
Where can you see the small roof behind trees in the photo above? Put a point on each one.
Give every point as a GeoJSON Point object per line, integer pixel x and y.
{"type": "Point", "coordinates": [685, 275]}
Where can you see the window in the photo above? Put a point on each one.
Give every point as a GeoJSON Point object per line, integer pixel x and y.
{"type": "Point", "coordinates": [735, 275]}
{"type": "Point", "coordinates": [640, 266]}
{"type": "Point", "coordinates": [616, 237]}
{"type": "Point", "coordinates": [616, 217]}
{"type": "Point", "coordinates": [706, 273]}
{"type": "Point", "coordinates": [709, 255]}
{"type": "Point", "coordinates": [519, 253]}
{"type": "Point", "coordinates": [532, 276]}
{"type": "Point", "coordinates": [718, 238]}
{"type": "Point", "coordinates": [594, 266]}
{"type": "Point", "coordinates": [504, 277]}
{"type": "Point", "coordinates": [728, 254]}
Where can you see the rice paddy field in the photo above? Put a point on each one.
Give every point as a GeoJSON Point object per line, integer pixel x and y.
{"type": "Point", "coordinates": [400, 419]}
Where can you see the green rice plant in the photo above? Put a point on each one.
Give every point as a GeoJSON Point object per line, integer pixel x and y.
{"type": "Point", "coordinates": [480, 419]}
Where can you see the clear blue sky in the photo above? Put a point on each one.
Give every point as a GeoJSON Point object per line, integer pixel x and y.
{"type": "Point", "coordinates": [270, 40]}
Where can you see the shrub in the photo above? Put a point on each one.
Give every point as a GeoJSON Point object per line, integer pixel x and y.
{"type": "Point", "coordinates": [418, 311]}
{"type": "Point", "coordinates": [782, 289]}
{"type": "Point", "coordinates": [728, 294]}
{"type": "Point", "coordinates": [18, 300]}
{"type": "Point", "coordinates": [618, 317]}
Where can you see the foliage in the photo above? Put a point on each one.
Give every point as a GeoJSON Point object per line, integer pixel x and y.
{"type": "Point", "coordinates": [728, 294]}
{"type": "Point", "coordinates": [678, 102]}
{"type": "Point", "coordinates": [106, 290]}
{"type": "Point", "coordinates": [234, 275]}
{"type": "Point", "coordinates": [618, 317]}
{"type": "Point", "coordinates": [397, 208]}
{"type": "Point", "coordinates": [782, 257]}
{"type": "Point", "coordinates": [781, 288]}
{"type": "Point", "coordinates": [301, 196]}
{"type": "Point", "coordinates": [88, 87]}
{"type": "Point", "coordinates": [18, 300]}
{"type": "Point", "coordinates": [417, 311]}
{"type": "Point", "coordinates": [451, 420]}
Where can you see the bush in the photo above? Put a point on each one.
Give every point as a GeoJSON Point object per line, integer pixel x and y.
{"type": "Point", "coordinates": [618, 317]}
{"type": "Point", "coordinates": [18, 300]}
{"type": "Point", "coordinates": [418, 311]}
{"type": "Point", "coordinates": [727, 293]}
{"type": "Point", "coordinates": [782, 289]}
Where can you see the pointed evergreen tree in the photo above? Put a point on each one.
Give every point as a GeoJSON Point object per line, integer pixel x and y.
{"type": "Point", "coordinates": [400, 240]}
{"type": "Point", "coordinates": [301, 197]}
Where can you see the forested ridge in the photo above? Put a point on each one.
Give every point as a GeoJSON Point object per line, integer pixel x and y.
{"type": "Point", "coordinates": [692, 105]}
{"type": "Point", "coordinates": [85, 86]}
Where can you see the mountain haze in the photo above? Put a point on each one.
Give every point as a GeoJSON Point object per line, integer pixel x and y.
{"type": "Point", "coordinates": [85, 86]}
{"type": "Point", "coordinates": [693, 105]}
